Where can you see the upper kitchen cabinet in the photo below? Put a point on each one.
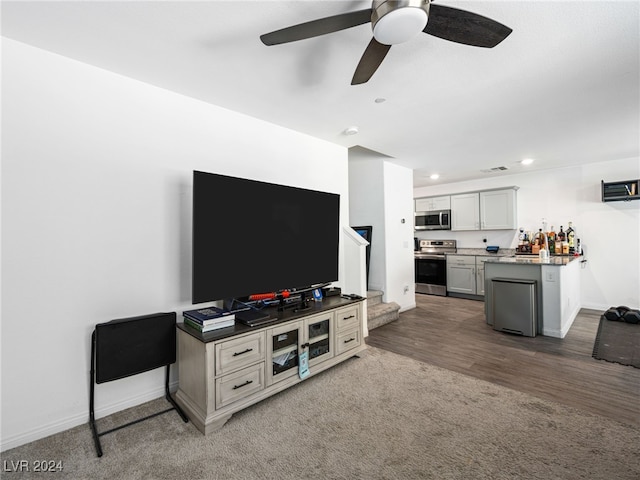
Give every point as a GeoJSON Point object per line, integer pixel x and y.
{"type": "Point", "coordinates": [486, 210]}
{"type": "Point", "coordinates": [431, 204]}
{"type": "Point", "coordinates": [498, 210]}
{"type": "Point", "coordinates": [465, 211]}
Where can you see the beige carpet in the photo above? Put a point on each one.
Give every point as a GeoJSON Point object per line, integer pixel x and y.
{"type": "Point", "coordinates": [381, 416]}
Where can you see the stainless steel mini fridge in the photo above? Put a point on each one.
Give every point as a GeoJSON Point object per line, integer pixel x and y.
{"type": "Point", "coordinates": [513, 304]}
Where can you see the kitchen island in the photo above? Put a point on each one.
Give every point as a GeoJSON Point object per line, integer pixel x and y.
{"type": "Point", "coordinates": [557, 288]}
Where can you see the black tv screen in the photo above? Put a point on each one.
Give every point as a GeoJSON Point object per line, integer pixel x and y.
{"type": "Point", "coordinates": [254, 237]}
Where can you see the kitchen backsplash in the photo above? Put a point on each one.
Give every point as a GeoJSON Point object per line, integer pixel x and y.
{"type": "Point", "coordinates": [505, 239]}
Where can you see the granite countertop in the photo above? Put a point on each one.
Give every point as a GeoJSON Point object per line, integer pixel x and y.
{"type": "Point", "coordinates": [535, 260]}
{"type": "Point", "coordinates": [483, 252]}
{"type": "Point", "coordinates": [508, 255]}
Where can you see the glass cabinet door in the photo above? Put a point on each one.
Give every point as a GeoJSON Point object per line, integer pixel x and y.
{"type": "Point", "coordinates": [283, 352]}
{"type": "Point", "coordinates": [319, 339]}
{"type": "Point", "coordinates": [313, 335]}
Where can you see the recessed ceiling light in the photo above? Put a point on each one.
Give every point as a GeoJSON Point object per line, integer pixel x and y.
{"type": "Point", "coordinates": [527, 161]}
{"type": "Point", "coordinates": [350, 130]}
{"type": "Point", "coordinates": [435, 176]}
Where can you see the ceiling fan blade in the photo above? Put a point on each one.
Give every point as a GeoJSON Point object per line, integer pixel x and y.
{"type": "Point", "coordinates": [315, 28]}
{"type": "Point", "coordinates": [370, 61]}
{"type": "Point", "coordinates": [465, 27]}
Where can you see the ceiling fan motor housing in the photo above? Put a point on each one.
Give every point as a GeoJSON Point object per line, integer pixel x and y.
{"type": "Point", "coordinates": [397, 21]}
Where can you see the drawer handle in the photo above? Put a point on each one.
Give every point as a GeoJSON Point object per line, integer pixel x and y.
{"type": "Point", "coordinates": [242, 353]}
{"type": "Point", "coordinates": [347, 318]}
{"type": "Point", "coordinates": [235, 387]}
{"type": "Point", "coordinates": [350, 340]}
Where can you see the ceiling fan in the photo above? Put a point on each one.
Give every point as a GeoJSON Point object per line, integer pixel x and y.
{"type": "Point", "coordinates": [396, 21]}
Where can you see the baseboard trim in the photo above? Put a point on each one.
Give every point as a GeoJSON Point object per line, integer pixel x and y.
{"type": "Point", "coordinates": [81, 418]}
{"type": "Point", "coordinates": [593, 311]}
{"type": "Point", "coordinates": [411, 306]}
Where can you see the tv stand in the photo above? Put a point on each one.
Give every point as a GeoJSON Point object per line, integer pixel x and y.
{"type": "Point", "coordinates": [225, 371]}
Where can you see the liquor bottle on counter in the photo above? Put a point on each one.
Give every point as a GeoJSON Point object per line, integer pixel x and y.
{"type": "Point", "coordinates": [544, 239]}
{"type": "Point", "coordinates": [521, 238]}
{"type": "Point", "coordinates": [560, 240]}
{"type": "Point", "coordinates": [527, 242]}
{"type": "Point", "coordinates": [535, 248]}
{"type": "Point", "coordinates": [544, 246]}
{"type": "Point", "coordinates": [551, 235]}
{"type": "Point", "coordinates": [571, 236]}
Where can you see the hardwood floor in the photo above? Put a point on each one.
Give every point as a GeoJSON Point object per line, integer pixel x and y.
{"type": "Point", "coordinates": [452, 333]}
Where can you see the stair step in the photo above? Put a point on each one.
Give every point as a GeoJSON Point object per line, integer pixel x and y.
{"type": "Point", "coordinates": [374, 297]}
{"type": "Point", "coordinates": [381, 314]}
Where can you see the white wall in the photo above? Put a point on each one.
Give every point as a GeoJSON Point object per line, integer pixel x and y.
{"type": "Point", "coordinates": [366, 207]}
{"type": "Point", "coordinates": [399, 258]}
{"type": "Point", "coordinates": [609, 232]}
{"type": "Point", "coordinates": [381, 196]}
{"type": "Point", "coordinates": [96, 220]}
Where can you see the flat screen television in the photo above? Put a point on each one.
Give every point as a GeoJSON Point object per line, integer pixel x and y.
{"type": "Point", "coordinates": [252, 237]}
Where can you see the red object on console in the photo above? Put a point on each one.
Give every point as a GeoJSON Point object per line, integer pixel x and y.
{"type": "Point", "coordinates": [269, 296]}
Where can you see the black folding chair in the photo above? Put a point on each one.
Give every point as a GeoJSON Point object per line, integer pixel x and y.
{"type": "Point", "coordinates": [129, 346]}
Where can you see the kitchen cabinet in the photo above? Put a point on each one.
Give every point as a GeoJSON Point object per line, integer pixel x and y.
{"type": "Point", "coordinates": [461, 274]}
{"type": "Point", "coordinates": [465, 274]}
{"type": "Point", "coordinates": [480, 274]}
{"type": "Point", "coordinates": [498, 210]}
{"type": "Point", "coordinates": [465, 211]}
{"type": "Point", "coordinates": [485, 210]}
{"type": "Point", "coordinates": [430, 204]}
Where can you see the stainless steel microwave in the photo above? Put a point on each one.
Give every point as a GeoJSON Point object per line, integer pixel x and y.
{"type": "Point", "coordinates": [435, 220]}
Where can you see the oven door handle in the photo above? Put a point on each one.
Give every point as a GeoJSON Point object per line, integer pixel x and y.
{"type": "Point", "coordinates": [424, 256]}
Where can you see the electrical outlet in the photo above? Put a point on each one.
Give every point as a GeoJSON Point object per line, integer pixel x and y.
{"type": "Point", "coordinates": [406, 289]}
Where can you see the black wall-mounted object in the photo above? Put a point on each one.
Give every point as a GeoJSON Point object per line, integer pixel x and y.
{"type": "Point", "coordinates": [620, 191]}
{"type": "Point", "coordinates": [366, 232]}
{"type": "Point", "coordinates": [129, 346]}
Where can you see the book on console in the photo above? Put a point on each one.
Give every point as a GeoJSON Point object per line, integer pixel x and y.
{"type": "Point", "coordinates": [209, 315]}
{"type": "Point", "coordinates": [208, 328]}
{"type": "Point", "coordinates": [213, 321]}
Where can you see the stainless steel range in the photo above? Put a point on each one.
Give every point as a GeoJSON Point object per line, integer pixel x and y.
{"type": "Point", "coordinates": [431, 266]}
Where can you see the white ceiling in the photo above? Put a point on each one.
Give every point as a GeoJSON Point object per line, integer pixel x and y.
{"type": "Point", "coordinates": [563, 88]}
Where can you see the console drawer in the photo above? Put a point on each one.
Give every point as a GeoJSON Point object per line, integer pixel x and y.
{"type": "Point", "coordinates": [240, 352]}
{"type": "Point", "coordinates": [348, 317]}
{"type": "Point", "coordinates": [348, 340]}
{"type": "Point", "coordinates": [238, 385]}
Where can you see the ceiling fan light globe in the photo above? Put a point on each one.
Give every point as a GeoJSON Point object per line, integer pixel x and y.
{"type": "Point", "coordinates": [400, 25]}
